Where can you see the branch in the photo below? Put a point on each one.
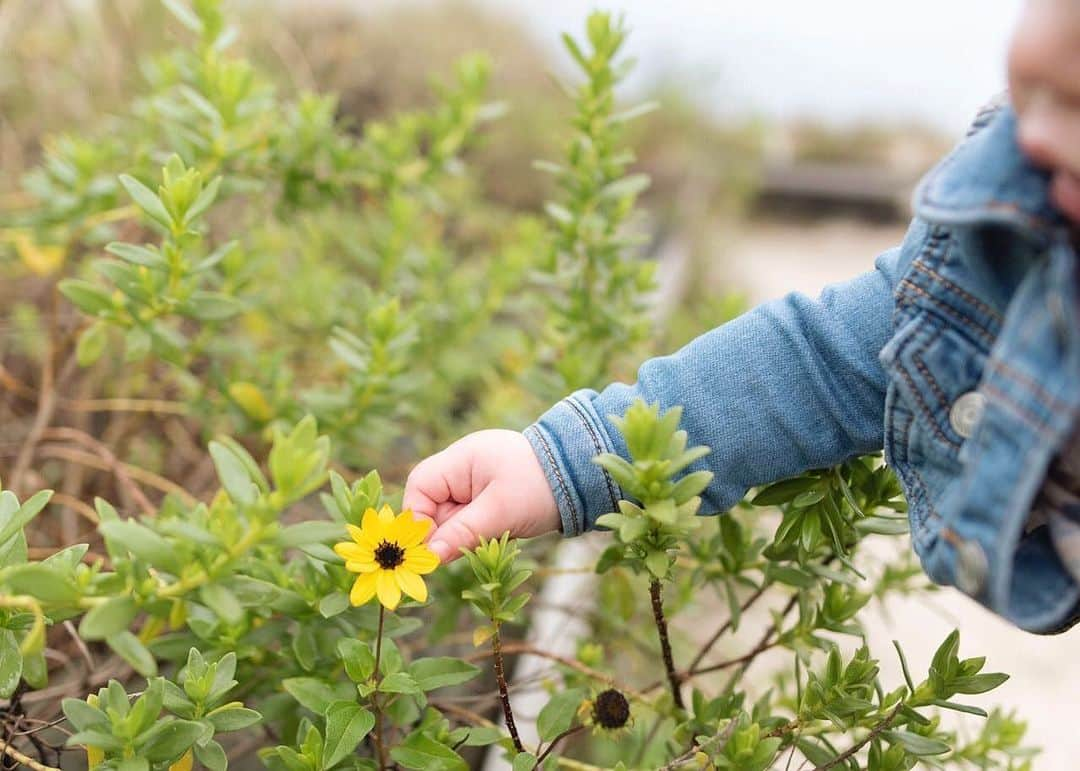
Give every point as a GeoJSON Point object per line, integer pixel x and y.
{"type": "Point", "coordinates": [725, 627]}
{"type": "Point", "coordinates": [523, 648]}
{"type": "Point", "coordinates": [665, 643]}
{"type": "Point", "coordinates": [866, 740]}
{"type": "Point", "coordinates": [504, 696]}
{"type": "Point", "coordinates": [25, 760]}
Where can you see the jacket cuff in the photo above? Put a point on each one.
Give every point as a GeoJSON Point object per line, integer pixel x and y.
{"type": "Point", "coordinates": [565, 439]}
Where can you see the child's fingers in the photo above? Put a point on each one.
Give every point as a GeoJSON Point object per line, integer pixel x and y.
{"type": "Point", "coordinates": [463, 529]}
{"type": "Point", "coordinates": [430, 484]}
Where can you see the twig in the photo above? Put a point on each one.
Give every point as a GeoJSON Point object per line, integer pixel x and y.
{"type": "Point", "coordinates": [762, 645]}
{"type": "Point", "coordinates": [688, 756]}
{"type": "Point", "coordinates": [26, 760]}
{"type": "Point", "coordinates": [568, 732]}
{"type": "Point", "coordinates": [148, 478]}
{"type": "Point", "coordinates": [530, 650]}
{"type": "Point", "coordinates": [378, 737]}
{"type": "Point", "coordinates": [504, 696]}
{"type": "Point", "coordinates": [725, 627]}
{"type": "Point", "coordinates": [850, 751]}
{"type": "Point", "coordinates": [118, 468]}
{"type": "Point", "coordinates": [44, 415]}
{"type": "Point", "coordinates": [665, 643]}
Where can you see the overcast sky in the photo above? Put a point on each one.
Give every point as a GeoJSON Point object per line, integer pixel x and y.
{"type": "Point", "coordinates": [842, 60]}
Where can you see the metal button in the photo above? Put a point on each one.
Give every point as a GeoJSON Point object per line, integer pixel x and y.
{"type": "Point", "coordinates": [965, 413]}
{"type": "Point", "coordinates": [971, 568]}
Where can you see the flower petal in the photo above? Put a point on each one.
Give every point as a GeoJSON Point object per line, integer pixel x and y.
{"type": "Point", "coordinates": [387, 588]}
{"type": "Point", "coordinates": [364, 566]}
{"type": "Point", "coordinates": [420, 559]}
{"type": "Point", "coordinates": [409, 531]}
{"type": "Point", "coordinates": [411, 584]}
{"type": "Point", "coordinates": [354, 552]}
{"type": "Point", "coordinates": [371, 527]}
{"type": "Point", "coordinates": [386, 514]}
{"type": "Point", "coordinates": [363, 589]}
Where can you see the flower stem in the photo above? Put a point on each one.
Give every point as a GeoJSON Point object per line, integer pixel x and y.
{"type": "Point", "coordinates": [665, 643]}
{"type": "Point", "coordinates": [377, 737]}
{"type": "Point", "coordinates": [565, 734]}
{"type": "Point", "coordinates": [504, 694]}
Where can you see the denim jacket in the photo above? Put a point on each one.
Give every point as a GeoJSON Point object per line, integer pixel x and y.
{"type": "Point", "coordinates": [959, 355]}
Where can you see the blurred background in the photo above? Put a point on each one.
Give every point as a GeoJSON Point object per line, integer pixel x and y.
{"type": "Point", "coordinates": [788, 141]}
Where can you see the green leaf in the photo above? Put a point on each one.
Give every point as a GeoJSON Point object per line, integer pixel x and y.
{"type": "Point", "coordinates": [883, 525]}
{"type": "Point", "coordinates": [14, 517]}
{"type": "Point", "coordinates": [92, 343]}
{"type": "Point", "coordinates": [314, 531]}
{"type": "Point", "coordinates": [223, 603]}
{"type": "Point", "coordinates": [234, 475]}
{"type": "Point", "coordinates": [139, 255]}
{"type": "Point", "coordinates": [782, 492]}
{"type": "Point", "coordinates": [111, 617]}
{"type": "Point", "coordinates": [915, 744]}
{"type": "Point", "coordinates": [311, 693]}
{"type": "Point", "coordinates": [147, 200]}
{"type": "Point", "coordinates": [959, 707]}
{"type": "Point", "coordinates": [346, 726]}
{"type": "Point", "coordinates": [399, 682]}
{"type": "Point", "coordinates": [558, 714]}
{"type": "Point", "coordinates": [657, 562]}
{"type": "Point", "coordinates": [524, 761]}
{"type": "Point", "coordinates": [421, 753]}
{"type": "Point", "coordinates": [333, 604]}
{"type": "Point", "coordinates": [358, 658]}
{"type": "Point", "coordinates": [168, 740]}
{"type": "Point", "coordinates": [440, 672]}
{"type": "Point", "coordinates": [184, 15]}
{"type": "Point", "coordinates": [45, 582]}
{"type": "Point", "coordinates": [204, 200]}
{"type": "Point", "coordinates": [232, 717]}
{"type": "Point", "coordinates": [130, 649]}
{"type": "Point", "coordinates": [213, 306]}
{"type": "Point", "coordinates": [482, 736]}
{"type": "Point", "coordinates": [10, 663]}
{"type": "Point", "coordinates": [133, 764]}
{"type": "Point", "coordinates": [978, 683]}
{"type": "Point", "coordinates": [83, 716]}
{"type": "Point", "coordinates": [212, 755]}
{"type": "Point", "coordinates": [89, 298]}
{"type": "Point", "coordinates": [102, 739]}
{"type": "Point", "coordinates": [142, 542]}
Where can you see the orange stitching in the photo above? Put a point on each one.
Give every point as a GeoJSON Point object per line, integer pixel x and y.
{"type": "Point", "coordinates": [972, 299]}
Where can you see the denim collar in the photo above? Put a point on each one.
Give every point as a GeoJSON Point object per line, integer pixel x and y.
{"type": "Point", "coordinates": [987, 180]}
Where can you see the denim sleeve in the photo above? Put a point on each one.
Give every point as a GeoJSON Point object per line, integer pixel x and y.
{"type": "Point", "coordinates": [792, 385]}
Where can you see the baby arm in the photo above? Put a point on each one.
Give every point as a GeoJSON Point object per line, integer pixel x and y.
{"type": "Point", "coordinates": [792, 385]}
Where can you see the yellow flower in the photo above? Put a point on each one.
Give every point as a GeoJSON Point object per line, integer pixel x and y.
{"type": "Point", "coordinates": [390, 555]}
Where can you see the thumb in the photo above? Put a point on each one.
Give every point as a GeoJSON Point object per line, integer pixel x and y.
{"type": "Point", "coordinates": [464, 528]}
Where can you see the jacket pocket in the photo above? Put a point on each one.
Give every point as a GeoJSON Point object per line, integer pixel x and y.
{"type": "Point", "coordinates": [935, 369]}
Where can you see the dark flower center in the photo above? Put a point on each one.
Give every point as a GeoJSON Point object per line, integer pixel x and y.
{"type": "Point", "coordinates": [389, 555]}
{"type": "Point", "coordinates": [611, 709]}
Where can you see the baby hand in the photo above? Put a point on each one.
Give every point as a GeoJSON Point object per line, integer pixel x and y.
{"type": "Point", "coordinates": [484, 484]}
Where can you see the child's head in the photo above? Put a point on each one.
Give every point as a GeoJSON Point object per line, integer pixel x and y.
{"type": "Point", "coordinates": [1044, 81]}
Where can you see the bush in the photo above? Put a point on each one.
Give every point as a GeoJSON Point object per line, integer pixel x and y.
{"type": "Point", "coordinates": [217, 261]}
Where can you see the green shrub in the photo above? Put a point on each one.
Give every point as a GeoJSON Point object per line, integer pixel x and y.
{"type": "Point", "coordinates": [220, 265]}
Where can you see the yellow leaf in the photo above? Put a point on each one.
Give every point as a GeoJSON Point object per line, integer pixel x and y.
{"type": "Point", "coordinates": [184, 764]}
{"type": "Point", "coordinates": [249, 397]}
{"type": "Point", "coordinates": [482, 634]}
{"type": "Point", "coordinates": [41, 259]}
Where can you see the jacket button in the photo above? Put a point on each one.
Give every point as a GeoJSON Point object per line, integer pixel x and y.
{"type": "Point", "coordinates": [965, 413]}
{"type": "Point", "coordinates": [971, 568]}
